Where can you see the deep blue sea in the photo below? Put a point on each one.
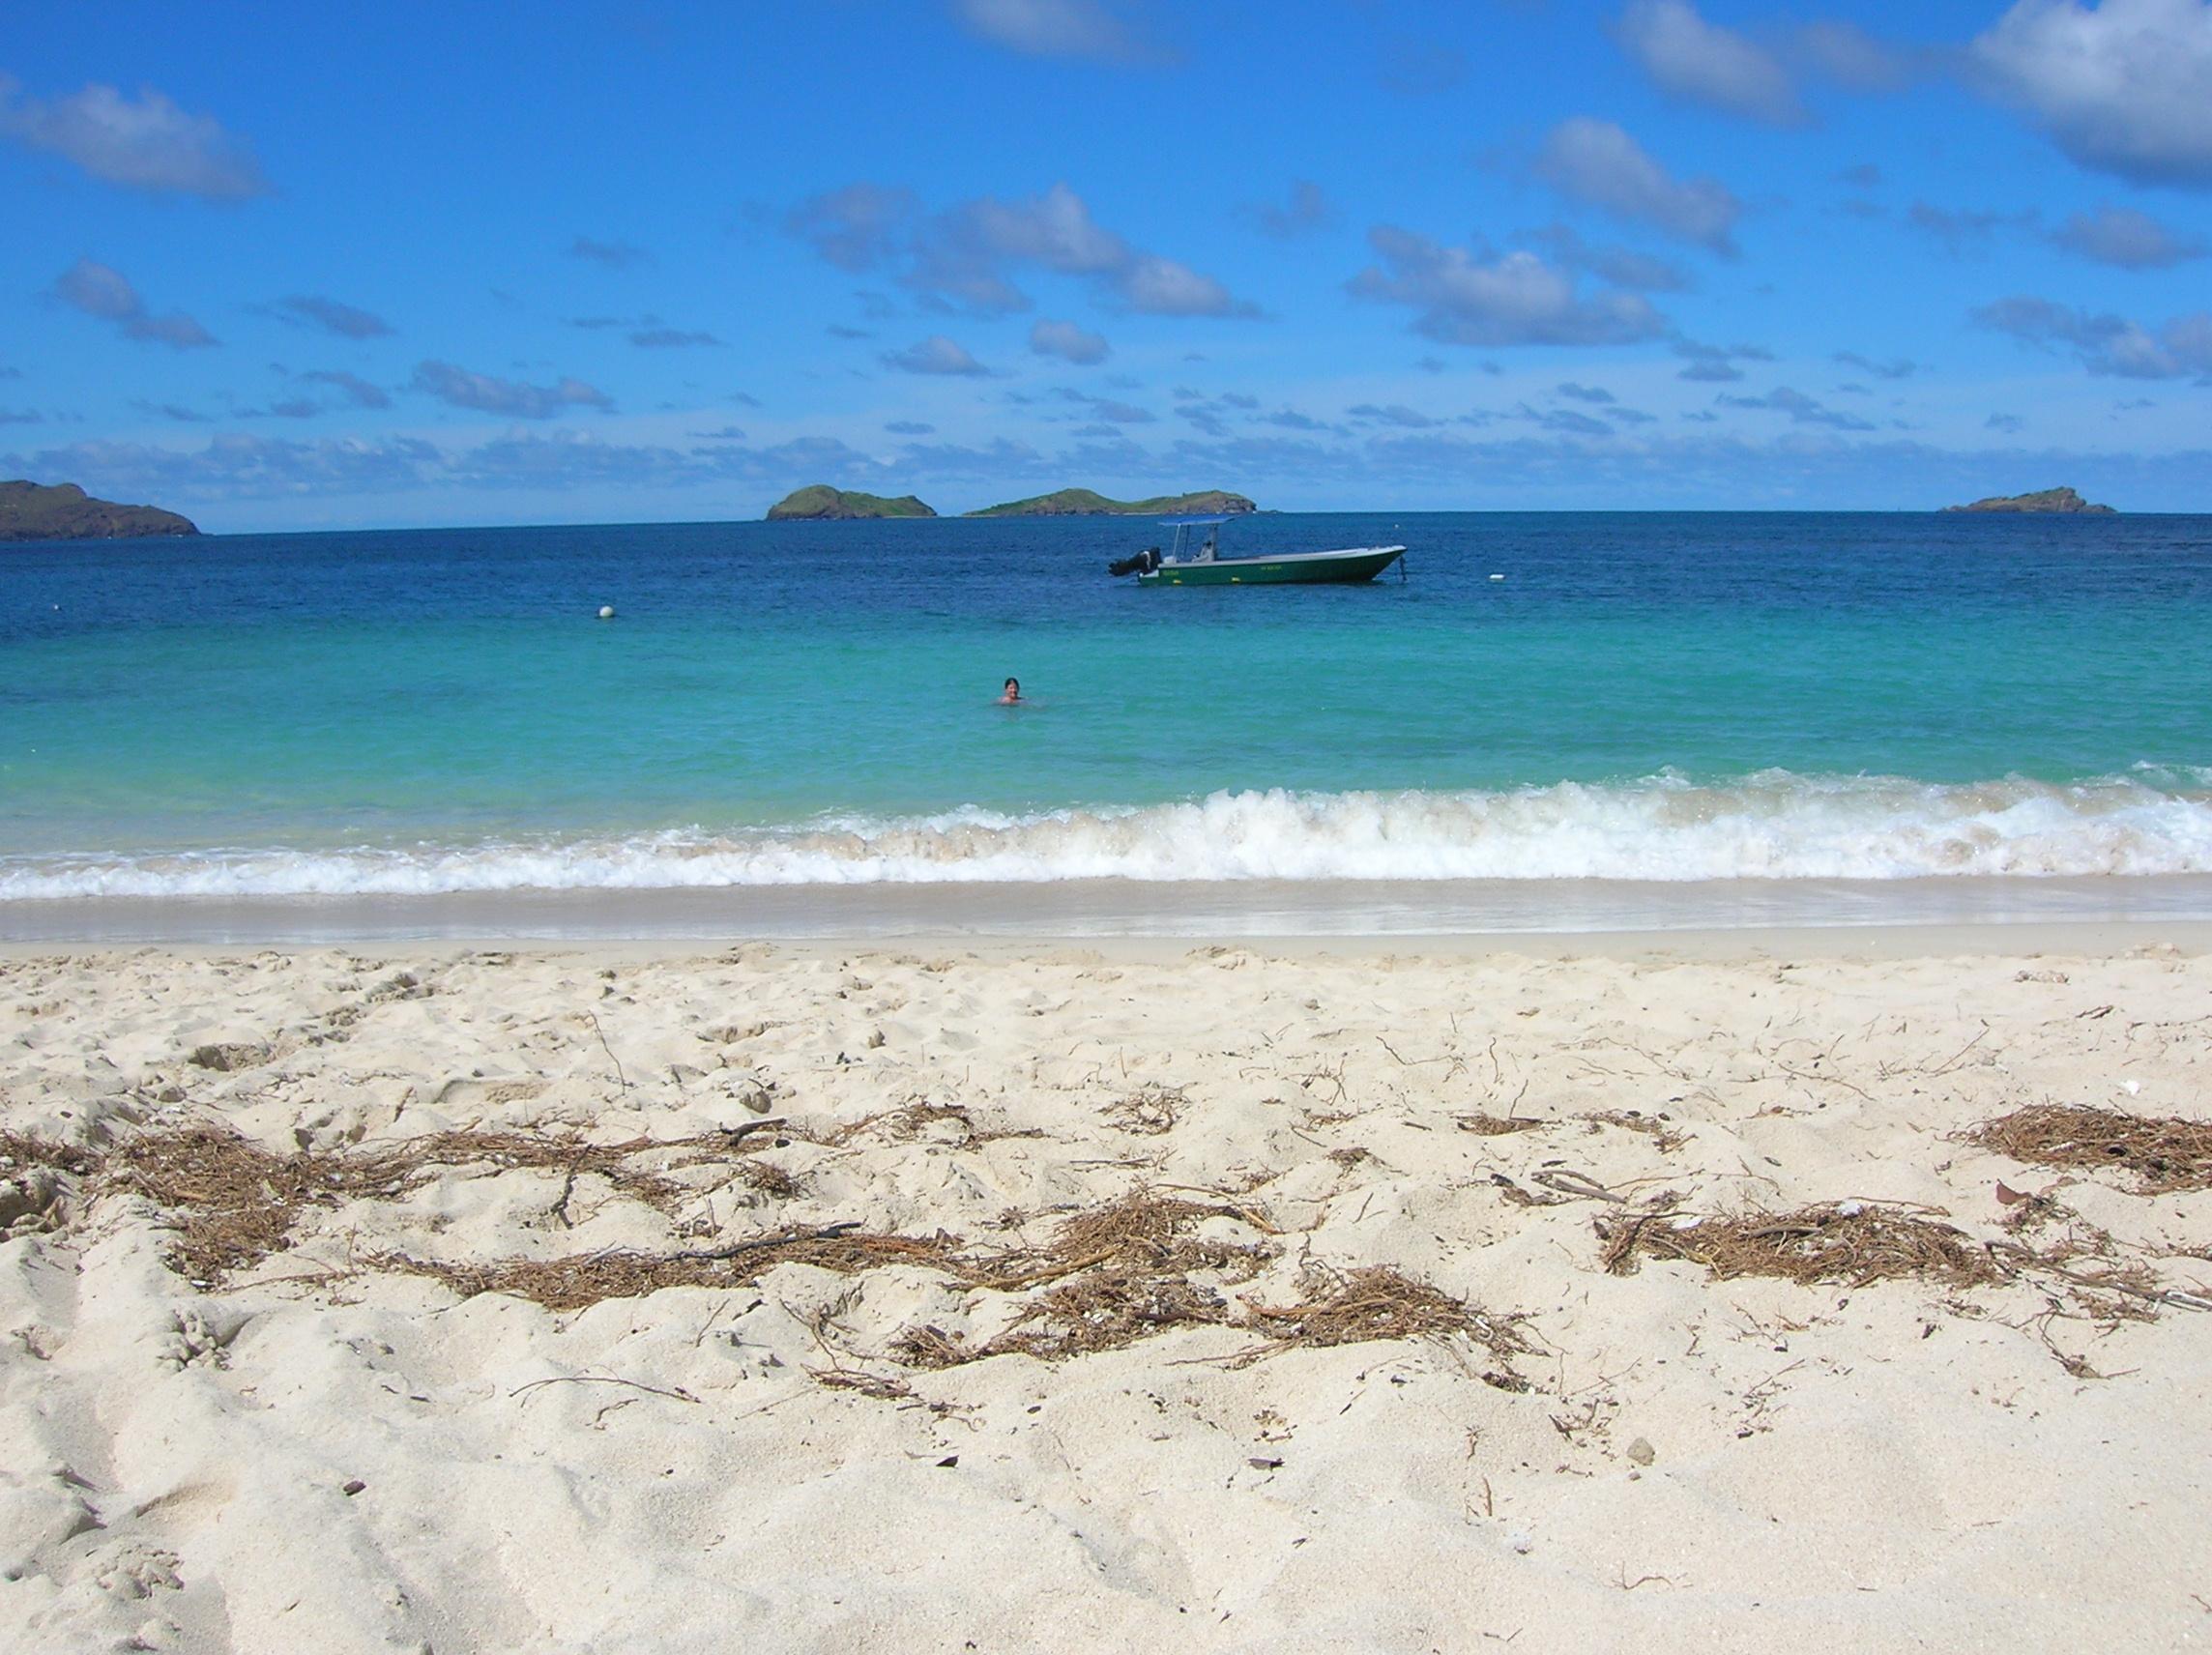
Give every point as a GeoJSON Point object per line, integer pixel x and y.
{"type": "Point", "coordinates": [1640, 695]}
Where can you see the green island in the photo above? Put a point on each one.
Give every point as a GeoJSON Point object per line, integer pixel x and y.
{"type": "Point", "coordinates": [64, 511]}
{"type": "Point", "coordinates": [820, 501]}
{"type": "Point", "coordinates": [1083, 503]}
{"type": "Point", "coordinates": [2045, 500]}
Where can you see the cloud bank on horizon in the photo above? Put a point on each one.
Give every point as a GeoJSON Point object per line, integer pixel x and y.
{"type": "Point", "coordinates": [1637, 252]}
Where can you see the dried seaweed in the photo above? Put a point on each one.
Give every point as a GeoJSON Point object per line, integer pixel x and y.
{"type": "Point", "coordinates": [1377, 1303]}
{"type": "Point", "coordinates": [1147, 1112]}
{"type": "Point", "coordinates": [768, 1179]}
{"type": "Point", "coordinates": [1132, 1270]}
{"type": "Point", "coordinates": [2161, 1155]}
{"type": "Point", "coordinates": [1656, 1127]}
{"type": "Point", "coordinates": [388, 1173]}
{"type": "Point", "coordinates": [1112, 1275]}
{"type": "Point", "coordinates": [19, 1149]}
{"type": "Point", "coordinates": [911, 1120]}
{"type": "Point", "coordinates": [235, 1203]}
{"type": "Point", "coordinates": [1854, 1242]}
{"type": "Point", "coordinates": [39, 1182]}
{"type": "Point", "coordinates": [581, 1280]}
{"type": "Point", "coordinates": [230, 1059]}
{"type": "Point", "coordinates": [1109, 1276]}
{"type": "Point", "coordinates": [1497, 1125]}
{"type": "Point", "coordinates": [883, 1387]}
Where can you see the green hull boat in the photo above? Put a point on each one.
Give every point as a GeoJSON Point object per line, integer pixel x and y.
{"type": "Point", "coordinates": [1204, 567]}
{"type": "Point", "coordinates": [1298, 568]}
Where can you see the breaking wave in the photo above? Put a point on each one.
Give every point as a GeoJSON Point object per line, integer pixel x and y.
{"type": "Point", "coordinates": [1775, 825]}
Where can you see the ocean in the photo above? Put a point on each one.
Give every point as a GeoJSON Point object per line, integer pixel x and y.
{"type": "Point", "coordinates": [1548, 705]}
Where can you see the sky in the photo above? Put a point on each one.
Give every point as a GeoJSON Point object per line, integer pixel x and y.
{"type": "Point", "coordinates": [421, 265]}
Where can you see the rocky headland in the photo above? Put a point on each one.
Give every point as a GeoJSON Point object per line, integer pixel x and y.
{"type": "Point", "coordinates": [820, 501]}
{"type": "Point", "coordinates": [64, 511]}
{"type": "Point", "coordinates": [1083, 502]}
{"type": "Point", "coordinates": [2063, 500]}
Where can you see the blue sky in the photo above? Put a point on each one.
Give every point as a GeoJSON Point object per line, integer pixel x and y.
{"type": "Point", "coordinates": [325, 267]}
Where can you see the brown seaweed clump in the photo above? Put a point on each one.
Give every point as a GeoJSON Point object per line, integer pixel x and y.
{"type": "Point", "coordinates": [1111, 1275]}
{"type": "Point", "coordinates": [233, 1203]}
{"type": "Point", "coordinates": [579, 1281]}
{"type": "Point", "coordinates": [1126, 1271]}
{"type": "Point", "coordinates": [1499, 1125]}
{"type": "Point", "coordinates": [1852, 1242]}
{"type": "Point", "coordinates": [1377, 1303]}
{"type": "Point", "coordinates": [2161, 1155]}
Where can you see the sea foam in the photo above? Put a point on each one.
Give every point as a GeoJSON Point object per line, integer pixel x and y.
{"type": "Point", "coordinates": [1771, 826]}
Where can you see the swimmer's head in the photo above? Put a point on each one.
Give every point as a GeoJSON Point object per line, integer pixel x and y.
{"type": "Point", "coordinates": [1013, 689]}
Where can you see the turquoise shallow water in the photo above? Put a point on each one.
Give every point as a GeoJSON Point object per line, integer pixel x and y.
{"type": "Point", "coordinates": [1655, 696]}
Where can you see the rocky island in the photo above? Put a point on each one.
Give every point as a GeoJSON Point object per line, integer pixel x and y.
{"type": "Point", "coordinates": [64, 511]}
{"type": "Point", "coordinates": [2046, 500]}
{"type": "Point", "coordinates": [821, 503]}
{"type": "Point", "coordinates": [1083, 503]}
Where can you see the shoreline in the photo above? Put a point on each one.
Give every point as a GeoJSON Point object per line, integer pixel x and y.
{"type": "Point", "coordinates": [2020, 941]}
{"type": "Point", "coordinates": [1419, 915]}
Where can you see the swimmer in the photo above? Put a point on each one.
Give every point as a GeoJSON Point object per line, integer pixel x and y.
{"type": "Point", "coordinates": [1011, 696]}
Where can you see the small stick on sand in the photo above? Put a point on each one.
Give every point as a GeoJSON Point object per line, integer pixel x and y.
{"type": "Point", "coordinates": [608, 1050]}
{"type": "Point", "coordinates": [675, 1395]}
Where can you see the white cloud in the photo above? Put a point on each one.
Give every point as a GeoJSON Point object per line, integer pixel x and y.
{"type": "Point", "coordinates": [358, 391]}
{"type": "Point", "coordinates": [1897, 367]}
{"type": "Point", "coordinates": [1622, 266]}
{"type": "Point", "coordinates": [858, 227]}
{"type": "Point", "coordinates": [1801, 409]}
{"type": "Point", "coordinates": [148, 144]}
{"type": "Point", "coordinates": [102, 292]}
{"type": "Point", "coordinates": [1715, 364]}
{"type": "Point", "coordinates": [615, 255]}
{"type": "Point", "coordinates": [1595, 161]}
{"type": "Point", "coordinates": [1051, 28]}
{"type": "Point", "coordinates": [1069, 342]}
{"type": "Point", "coordinates": [1465, 298]}
{"type": "Point", "coordinates": [1854, 59]}
{"type": "Point", "coordinates": [346, 321]}
{"type": "Point", "coordinates": [2109, 345]}
{"type": "Point", "coordinates": [961, 258]}
{"type": "Point", "coordinates": [2124, 237]}
{"type": "Point", "coordinates": [1691, 58]}
{"type": "Point", "coordinates": [458, 388]}
{"type": "Point", "coordinates": [1965, 229]}
{"type": "Point", "coordinates": [2124, 88]}
{"type": "Point", "coordinates": [237, 466]}
{"type": "Point", "coordinates": [1393, 414]}
{"type": "Point", "coordinates": [1308, 209]}
{"type": "Point", "coordinates": [1162, 287]}
{"type": "Point", "coordinates": [936, 354]}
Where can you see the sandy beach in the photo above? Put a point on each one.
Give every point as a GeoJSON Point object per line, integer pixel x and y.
{"type": "Point", "coordinates": [1386, 1296]}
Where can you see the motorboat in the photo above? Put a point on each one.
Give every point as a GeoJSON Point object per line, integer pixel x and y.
{"type": "Point", "coordinates": [1194, 559]}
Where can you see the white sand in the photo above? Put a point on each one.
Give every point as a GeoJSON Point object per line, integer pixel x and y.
{"type": "Point", "coordinates": [1891, 1467]}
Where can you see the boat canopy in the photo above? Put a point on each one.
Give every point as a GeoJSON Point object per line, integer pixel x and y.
{"type": "Point", "coordinates": [1183, 526]}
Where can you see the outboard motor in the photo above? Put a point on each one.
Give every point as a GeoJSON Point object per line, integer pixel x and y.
{"type": "Point", "coordinates": [1143, 562]}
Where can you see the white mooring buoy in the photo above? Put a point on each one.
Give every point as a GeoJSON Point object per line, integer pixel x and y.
{"type": "Point", "coordinates": [606, 612]}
